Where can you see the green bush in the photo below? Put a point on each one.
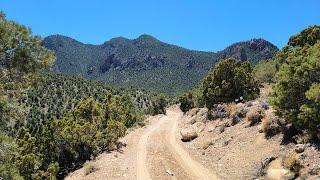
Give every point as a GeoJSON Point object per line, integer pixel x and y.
{"type": "Point", "coordinates": [20, 50]}
{"type": "Point", "coordinates": [297, 91]}
{"type": "Point", "coordinates": [159, 105]}
{"type": "Point", "coordinates": [265, 71]}
{"type": "Point", "coordinates": [308, 36]}
{"type": "Point", "coordinates": [8, 150]}
{"type": "Point", "coordinates": [229, 80]}
{"type": "Point", "coordinates": [186, 102]}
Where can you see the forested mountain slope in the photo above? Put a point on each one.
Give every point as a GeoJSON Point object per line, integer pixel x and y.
{"type": "Point", "coordinates": [146, 62]}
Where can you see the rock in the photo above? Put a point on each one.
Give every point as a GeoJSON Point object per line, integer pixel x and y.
{"type": "Point", "coordinates": [262, 170]}
{"type": "Point", "coordinates": [198, 126]}
{"type": "Point", "coordinates": [203, 112]}
{"type": "Point", "coordinates": [234, 120]}
{"type": "Point", "coordinates": [193, 112]}
{"type": "Point", "coordinates": [248, 104]}
{"type": "Point", "coordinates": [264, 105]}
{"type": "Point", "coordinates": [120, 143]}
{"type": "Point", "coordinates": [299, 148]}
{"type": "Point", "coordinates": [222, 128]}
{"type": "Point", "coordinates": [226, 142]}
{"type": "Point", "coordinates": [203, 118]}
{"type": "Point", "coordinates": [169, 172]}
{"type": "Point", "coordinates": [302, 156]}
{"type": "Point", "coordinates": [314, 170]}
{"type": "Point", "coordinates": [211, 128]}
{"type": "Point", "coordinates": [192, 120]}
{"type": "Point", "coordinates": [260, 128]}
{"type": "Point", "coordinates": [238, 100]}
{"type": "Point", "coordinates": [266, 161]}
{"type": "Point", "coordinates": [289, 175]}
{"type": "Point", "coordinates": [188, 134]}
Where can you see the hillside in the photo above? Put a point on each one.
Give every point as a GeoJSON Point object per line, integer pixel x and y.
{"type": "Point", "coordinates": [54, 94]}
{"type": "Point", "coordinates": [146, 62]}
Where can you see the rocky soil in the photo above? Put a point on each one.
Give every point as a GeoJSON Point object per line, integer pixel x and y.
{"type": "Point", "coordinates": [239, 141]}
{"type": "Point", "coordinates": [244, 141]}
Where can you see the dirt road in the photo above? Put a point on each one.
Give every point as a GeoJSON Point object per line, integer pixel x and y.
{"type": "Point", "coordinates": [152, 152]}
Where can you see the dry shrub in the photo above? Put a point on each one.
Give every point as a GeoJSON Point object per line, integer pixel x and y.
{"type": "Point", "coordinates": [291, 162]}
{"type": "Point", "coordinates": [303, 138]}
{"type": "Point", "coordinates": [271, 125]}
{"type": "Point", "coordinates": [255, 115]}
{"type": "Point", "coordinates": [230, 108]}
{"type": "Point", "coordinates": [265, 124]}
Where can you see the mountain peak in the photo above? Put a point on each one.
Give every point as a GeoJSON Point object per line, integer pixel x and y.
{"type": "Point", "coordinates": [254, 50]}
{"type": "Point", "coordinates": [146, 38]}
{"type": "Point", "coordinates": [119, 39]}
{"type": "Point", "coordinates": [59, 40]}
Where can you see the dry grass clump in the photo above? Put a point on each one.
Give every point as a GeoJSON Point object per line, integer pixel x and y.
{"type": "Point", "coordinates": [90, 167]}
{"type": "Point", "coordinates": [303, 138]}
{"type": "Point", "coordinates": [255, 115]}
{"type": "Point", "coordinates": [265, 121]}
{"type": "Point", "coordinates": [230, 108]}
{"type": "Point", "coordinates": [291, 162]}
{"type": "Point", "coordinates": [271, 125]}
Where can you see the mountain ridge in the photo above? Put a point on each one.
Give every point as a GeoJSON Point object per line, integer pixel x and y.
{"type": "Point", "coordinates": [146, 62]}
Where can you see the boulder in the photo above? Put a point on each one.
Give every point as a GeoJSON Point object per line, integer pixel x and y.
{"type": "Point", "coordinates": [192, 112]}
{"type": "Point", "coordinates": [188, 134]}
{"type": "Point", "coordinates": [120, 143]}
{"type": "Point", "coordinates": [299, 148]}
{"type": "Point", "coordinates": [234, 120]}
{"type": "Point", "coordinates": [211, 128]}
{"type": "Point", "coordinates": [203, 112]}
{"type": "Point", "coordinates": [191, 120]}
{"type": "Point", "coordinates": [198, 126]}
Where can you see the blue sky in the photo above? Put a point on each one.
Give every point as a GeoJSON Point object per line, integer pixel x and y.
{"type": "Point", "coordinates": [208, 25]}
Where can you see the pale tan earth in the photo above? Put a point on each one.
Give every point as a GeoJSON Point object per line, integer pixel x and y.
{"type": "Point", "coordinates": [238, 152]}
{"type": "Point", "coordinates": [157, 152]}
{"type": "Point", "coordinates": [152, 152]}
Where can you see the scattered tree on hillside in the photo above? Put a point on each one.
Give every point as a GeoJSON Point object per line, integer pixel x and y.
{"type": "Point", "coordinates": [265, 71]}
{"type": "Point", "coordinates": [296, 92]}
{"type": "Point", "coordinates": [186, 102]}
{"type": "Point", "coordinates": [229, 80]}
{"type": "Point", "coordinates": [159, 105]}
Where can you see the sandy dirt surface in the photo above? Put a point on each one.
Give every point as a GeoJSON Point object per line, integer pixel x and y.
{"type": "Point", "coordinates": [152, 152]}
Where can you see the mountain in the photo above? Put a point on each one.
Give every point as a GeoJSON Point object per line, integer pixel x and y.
{"type": "Point", "coordinates": [253, 50]}
{"type": "Point", "coordinates": [146, 62]}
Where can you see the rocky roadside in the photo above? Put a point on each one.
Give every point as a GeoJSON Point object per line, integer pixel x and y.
{"type": "Point", "coordinates": [246, 141]}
